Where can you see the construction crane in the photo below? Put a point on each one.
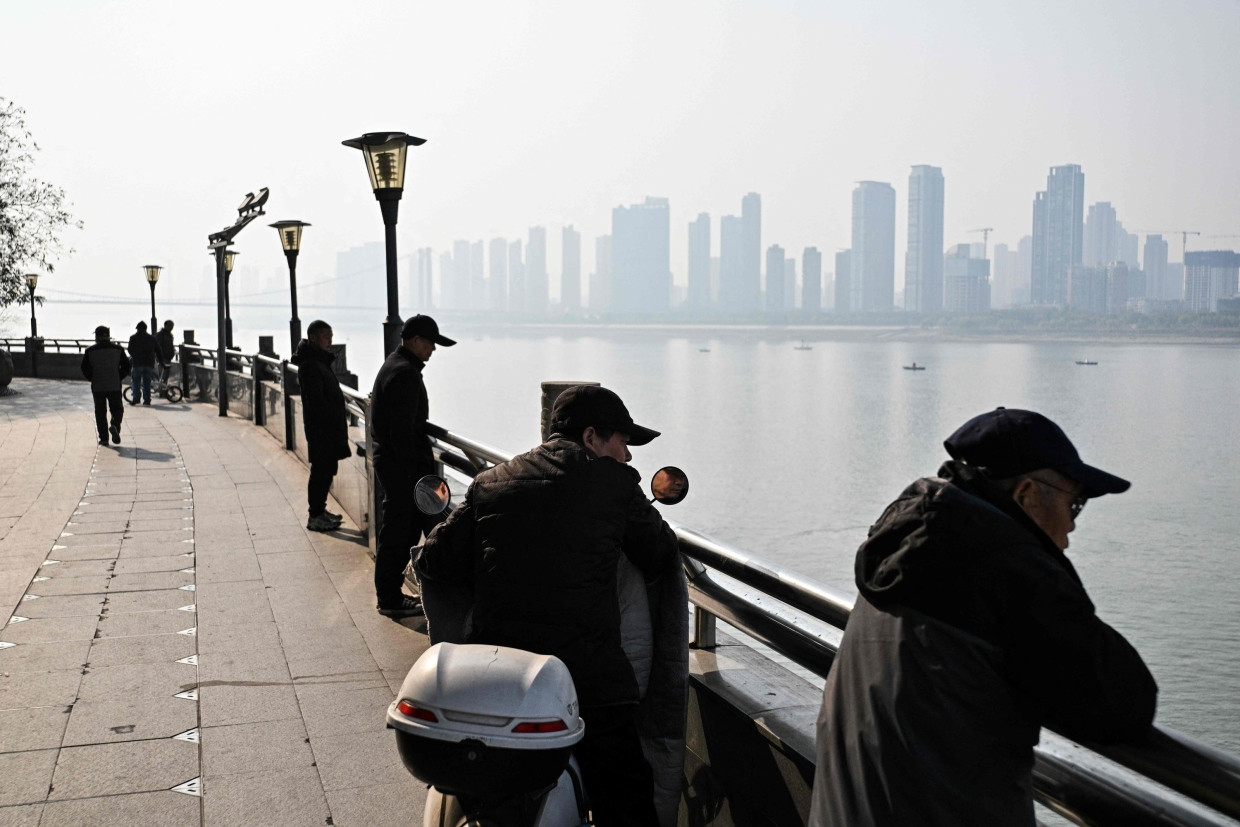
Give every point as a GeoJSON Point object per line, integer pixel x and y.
{"type": "Point", "coordinates": [985, 231]}
{"type": "Point", "coordinates": [1184, 234]}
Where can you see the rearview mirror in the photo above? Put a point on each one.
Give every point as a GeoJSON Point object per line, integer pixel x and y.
{"type": "Point", "coordinates": [431, 495]}
{"type": "Point", "coordinates": [669, 485]}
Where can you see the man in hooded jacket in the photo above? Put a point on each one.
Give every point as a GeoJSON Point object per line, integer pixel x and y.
{"type": "Point", "coordinates": [323, 420]}
{"type": "Point", "coordinates": [971, 631]}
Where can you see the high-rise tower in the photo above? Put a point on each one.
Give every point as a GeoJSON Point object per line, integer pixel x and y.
{"type": "Point", "coordinates": [1058, 233]}
{"type": "Point", "coordinates": [873, 247]}
{"type": "Point", "coordinates": [923, 262]}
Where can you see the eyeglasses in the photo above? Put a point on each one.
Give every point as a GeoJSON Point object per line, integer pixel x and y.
{"type": "Point", "coordinates": [1078, 500]}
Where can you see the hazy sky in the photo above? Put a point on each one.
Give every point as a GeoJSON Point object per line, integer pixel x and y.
{"type": "Point", "coordinates": [157, 118]}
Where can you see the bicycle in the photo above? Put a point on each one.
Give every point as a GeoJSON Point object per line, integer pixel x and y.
{"type": "Point", "coordinates": [160, 386]}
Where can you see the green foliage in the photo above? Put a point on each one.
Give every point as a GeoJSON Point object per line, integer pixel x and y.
{"type": "Point", "coordinates": [32, 212]}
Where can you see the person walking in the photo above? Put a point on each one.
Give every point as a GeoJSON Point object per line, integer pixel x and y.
{"type": "Point", "coordinates": [142, 352]}
{"type": "Point", "coordinates": [166, 349]}
{"type": "Point", "coordinates": [972, 630]}
{"type": "Point", "coordinates": [105, 364]}
{"type": "Point", "coordinates": [402, 455]}
{"type": "Point", "coordinates": [323, 419]}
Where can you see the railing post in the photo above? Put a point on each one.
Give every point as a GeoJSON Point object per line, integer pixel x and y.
{"type": "Point", "coordinates": [704, 624]}
{"type": "Point", "coordinates": [290, 435]}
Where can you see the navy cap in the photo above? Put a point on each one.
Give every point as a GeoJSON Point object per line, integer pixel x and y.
{"type": "Point", "coordinates": [1008, 442]}
{"type": "Point", "coordinates": [585, 406]}
{"type": "Point", "coordinates": [425, 327]}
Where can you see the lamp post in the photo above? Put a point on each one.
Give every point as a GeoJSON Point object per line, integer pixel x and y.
{"type": "Point", "coordinates": [290, 239]}
{"type": "Point", "coordinates": [250, 209]}
{"type": "Point", "coordinates": [32, 281]}
{"type": "Point", "coordinates": [230, 258]}
{"type": "Point", "coordinates": [384, 153]}
{"type": "Point", "coordinates": [152, 276]}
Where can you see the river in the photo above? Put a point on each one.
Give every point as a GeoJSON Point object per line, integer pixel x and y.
{"type": "Point", "coordinates": [792, 453]}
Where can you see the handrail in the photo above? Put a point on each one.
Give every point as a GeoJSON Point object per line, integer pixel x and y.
{"type": "Point", "coordinates": [57, 345]}
{"type": "Point", "coordinates": [1089, 783]}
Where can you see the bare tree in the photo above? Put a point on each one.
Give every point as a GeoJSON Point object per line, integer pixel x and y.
{"type": "Point", "coordinates": [32, 212]}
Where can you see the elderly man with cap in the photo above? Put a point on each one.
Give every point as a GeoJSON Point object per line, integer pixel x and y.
{"type": "Point", "coordinates": [971, 631]}
{"type": "Point", "coordinates": [402, 455]}
{"type": "Point", "coordinates": [105, 364]}
{"type": "Point", "coordinates": [538, 540]}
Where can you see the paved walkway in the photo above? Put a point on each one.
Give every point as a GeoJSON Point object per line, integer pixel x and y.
{"type": "Point", "coordinates": [176, 647]}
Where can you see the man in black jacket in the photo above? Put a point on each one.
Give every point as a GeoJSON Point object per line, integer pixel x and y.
{"type": "Point", "coordinates": [104, 363]}
{"type": "Point", "coordinates": [538, 540]}
{"type": "Point", "coordinates": [402, 455]}
{"type": "Point", "coordinates": [972, 630]}
{"type": "Point", "coordinates": [142, 353]}
{"type": "Point", "coordinates": [166, 348]}
{"type": "Point", "coordinates": [323, 420]}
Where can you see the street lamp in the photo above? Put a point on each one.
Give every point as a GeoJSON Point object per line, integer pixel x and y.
{"type": "Point", "coordinates": [230, 258]}
{"type": "Point", "coordinates": [152, 276]}
{"type": "Point", "coordinates": [290, 239]}
{"type": "Point", "coordinates": [250, 209]}
{"type": "Point", "coordinates": [32, 280]}
{"type": "Point", "coordinates": [384, 153]}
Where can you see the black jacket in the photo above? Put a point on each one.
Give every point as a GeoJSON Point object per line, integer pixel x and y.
{"type": "Point", "coordinates": [538, 540]}
{"type": "Point", "coordinates": [322, 404]}
{"type": "Point", "coordinates": [142, 349]}
{"type": "Point", "coordinates": [166, 348]}
{"type": "Point", "coordinates": [972, 630]}
{"type": "Point", "coordinates": [398, 414]}
{"type": "Point", "coordinates": [105, 365]}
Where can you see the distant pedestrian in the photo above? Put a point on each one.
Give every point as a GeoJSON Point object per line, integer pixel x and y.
{"type": "Point", "coordinates": [142, 350]}
{"type": "Point", "coordinates": [105, 365]}
{"type": "Point", "coordinates": [166, 348]}
{"type": "Point", "coordinates": [402, 455]}
{"type": "Point", "coordinates": [323, 418]}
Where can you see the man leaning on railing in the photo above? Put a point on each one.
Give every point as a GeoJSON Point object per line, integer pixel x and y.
{"type": "Point", "coordinates": [971, 631]}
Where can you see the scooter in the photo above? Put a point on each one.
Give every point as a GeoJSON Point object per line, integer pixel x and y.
{"type": "Point", "coordinates": [492, 729]}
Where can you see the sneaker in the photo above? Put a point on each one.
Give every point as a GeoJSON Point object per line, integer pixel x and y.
{"type": "Point", "coordinates": [321, 522]}
{"type": "Point", "coordinates": [146, 402]}
{"type": "Point", "coordinates": [103, 440]}
{"type": "Point", "coordinates": [116, 434]}
{"type": "Point", "coordinates": [408, 607]}
{"type": "Point", "coordinates": [334, 516]}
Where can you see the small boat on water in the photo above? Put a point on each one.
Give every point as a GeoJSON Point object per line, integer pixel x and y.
{"type": "Point", "coordinates": [703, 350]}
{"type": "Point", "coordinates": [1086, 362]}
{"type": "Point", "coordinates": [914, 366]}
{"type": "Point", "coordinates": [803, 346]}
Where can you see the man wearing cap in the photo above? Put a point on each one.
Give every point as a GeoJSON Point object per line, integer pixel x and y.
{"type": "Point", "coordinates": [105, 364]}
{"type": "Point", "coordinates": [143, 353]}
{"type": "Point", "coordinates": [971, 631]}
{"type": "Point", "coordinates": [402, 455]}
{"type": "Point", "coordinates": [538, 540]}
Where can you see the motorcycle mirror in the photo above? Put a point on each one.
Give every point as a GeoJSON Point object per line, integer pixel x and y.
{"type": "Point", "coordinates": [669, 485]}
{"type": "Point", "coordinates": [431, 494]}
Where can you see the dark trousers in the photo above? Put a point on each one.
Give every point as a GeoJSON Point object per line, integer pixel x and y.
{"type": "Point", "coordinates": [617, 776]}
{"type": "Point", "coordinates": [321, 475]}
{"type": "Point", "coordinates": [103, 401]}
{"type": "Point", "coordinates": [142, 375]}
{"type": "Point", "coordinates": [402, 527]}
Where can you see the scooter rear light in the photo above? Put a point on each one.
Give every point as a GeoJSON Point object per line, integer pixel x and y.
{"type": "Point", "coordinates": [406, 708]}
{"type": "Point", "coordinates": [540, 726]}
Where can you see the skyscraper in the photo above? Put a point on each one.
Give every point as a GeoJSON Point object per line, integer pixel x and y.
{"type": "Point", "coordinates": [843, 281]}
{"type": "Point", "coordinates": [1154, 262]}
{"type": "Point", "coordinates": [1208, 277]}
{"type": "Point", "coordinates": [499, 275]}
{"type": "Point", "coordinates": [873, 247]}
{"type": "Point", "coordinates": [641, 257]}
{"type": "Point", "coordinates": [1101, 242]}
{"type": "Point", "coordinates": [1001, 275]}
{"type": "Point", "coordinates": [1058, 225]}
{"type": "Point", "coordinates": [923, 263]}
{"type": "Point", "coordinates": [536, 285]}
{"type": "Point", "coordinates": [699, 263]}
{"type": "Point", "coordinates": [735, 293]}
{"type": "Point", "coordinates": [570, 278]}
{"type": "Point", "coordinates": [751, 244]}
{"type": "Point", "coordinates": [811, 275]}
{"type": "Point", "coordinates": [600, 281]}
{"type": "Point", "coordinates": [516, 277]}
{"type": "Point", "coordinates": [775, 288]}
{"type": "Point", "coordinates": [966, 281]}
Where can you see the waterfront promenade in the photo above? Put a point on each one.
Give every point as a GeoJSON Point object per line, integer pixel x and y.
{"type": "Point", "coordinates": [175, 647]}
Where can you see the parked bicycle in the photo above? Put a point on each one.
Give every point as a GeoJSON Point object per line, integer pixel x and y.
{"type": "Point", "coordinates": [165, 388]}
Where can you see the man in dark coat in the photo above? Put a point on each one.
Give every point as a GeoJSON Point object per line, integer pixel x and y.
{"type": "Point", "coordinates": [402, 455]}
{"type": "Point", "coordinates": [166, 348]}
{"type": "Point", "coordinates": [972, 630]}
{"type": "Point", "coordinates": [538, 540]}
{"type": "Point", "coordinates": [323, 420]}
{"type": "Point", "coordinates": [105, 364]}
{"type": "Point", "coordinates": [142, 353]}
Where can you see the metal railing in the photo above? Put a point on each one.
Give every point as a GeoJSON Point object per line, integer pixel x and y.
{"type": "Point", "coordinates": [51, 345]}
{"type": "Point", "coordinates": [1168, 778]}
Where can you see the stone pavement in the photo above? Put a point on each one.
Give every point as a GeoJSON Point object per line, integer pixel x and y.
{"type": "Point", "coordinates": [176, 647]}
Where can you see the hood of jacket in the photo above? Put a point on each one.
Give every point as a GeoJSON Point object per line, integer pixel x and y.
{"type": "Point", "coordinates": [307, 353]}
{"type": "Point", "coordinates": [950, 518]}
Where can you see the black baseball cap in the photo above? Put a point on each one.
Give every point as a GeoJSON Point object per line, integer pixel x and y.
{"type": "Point", "coordinates": [1008, 442]}
{"type": "Point", "coordinates": [103, 330]}
{"type": "Point", "coordinates": [425, 327]}
{"type": "Point", "coordinates": [585, 406]}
